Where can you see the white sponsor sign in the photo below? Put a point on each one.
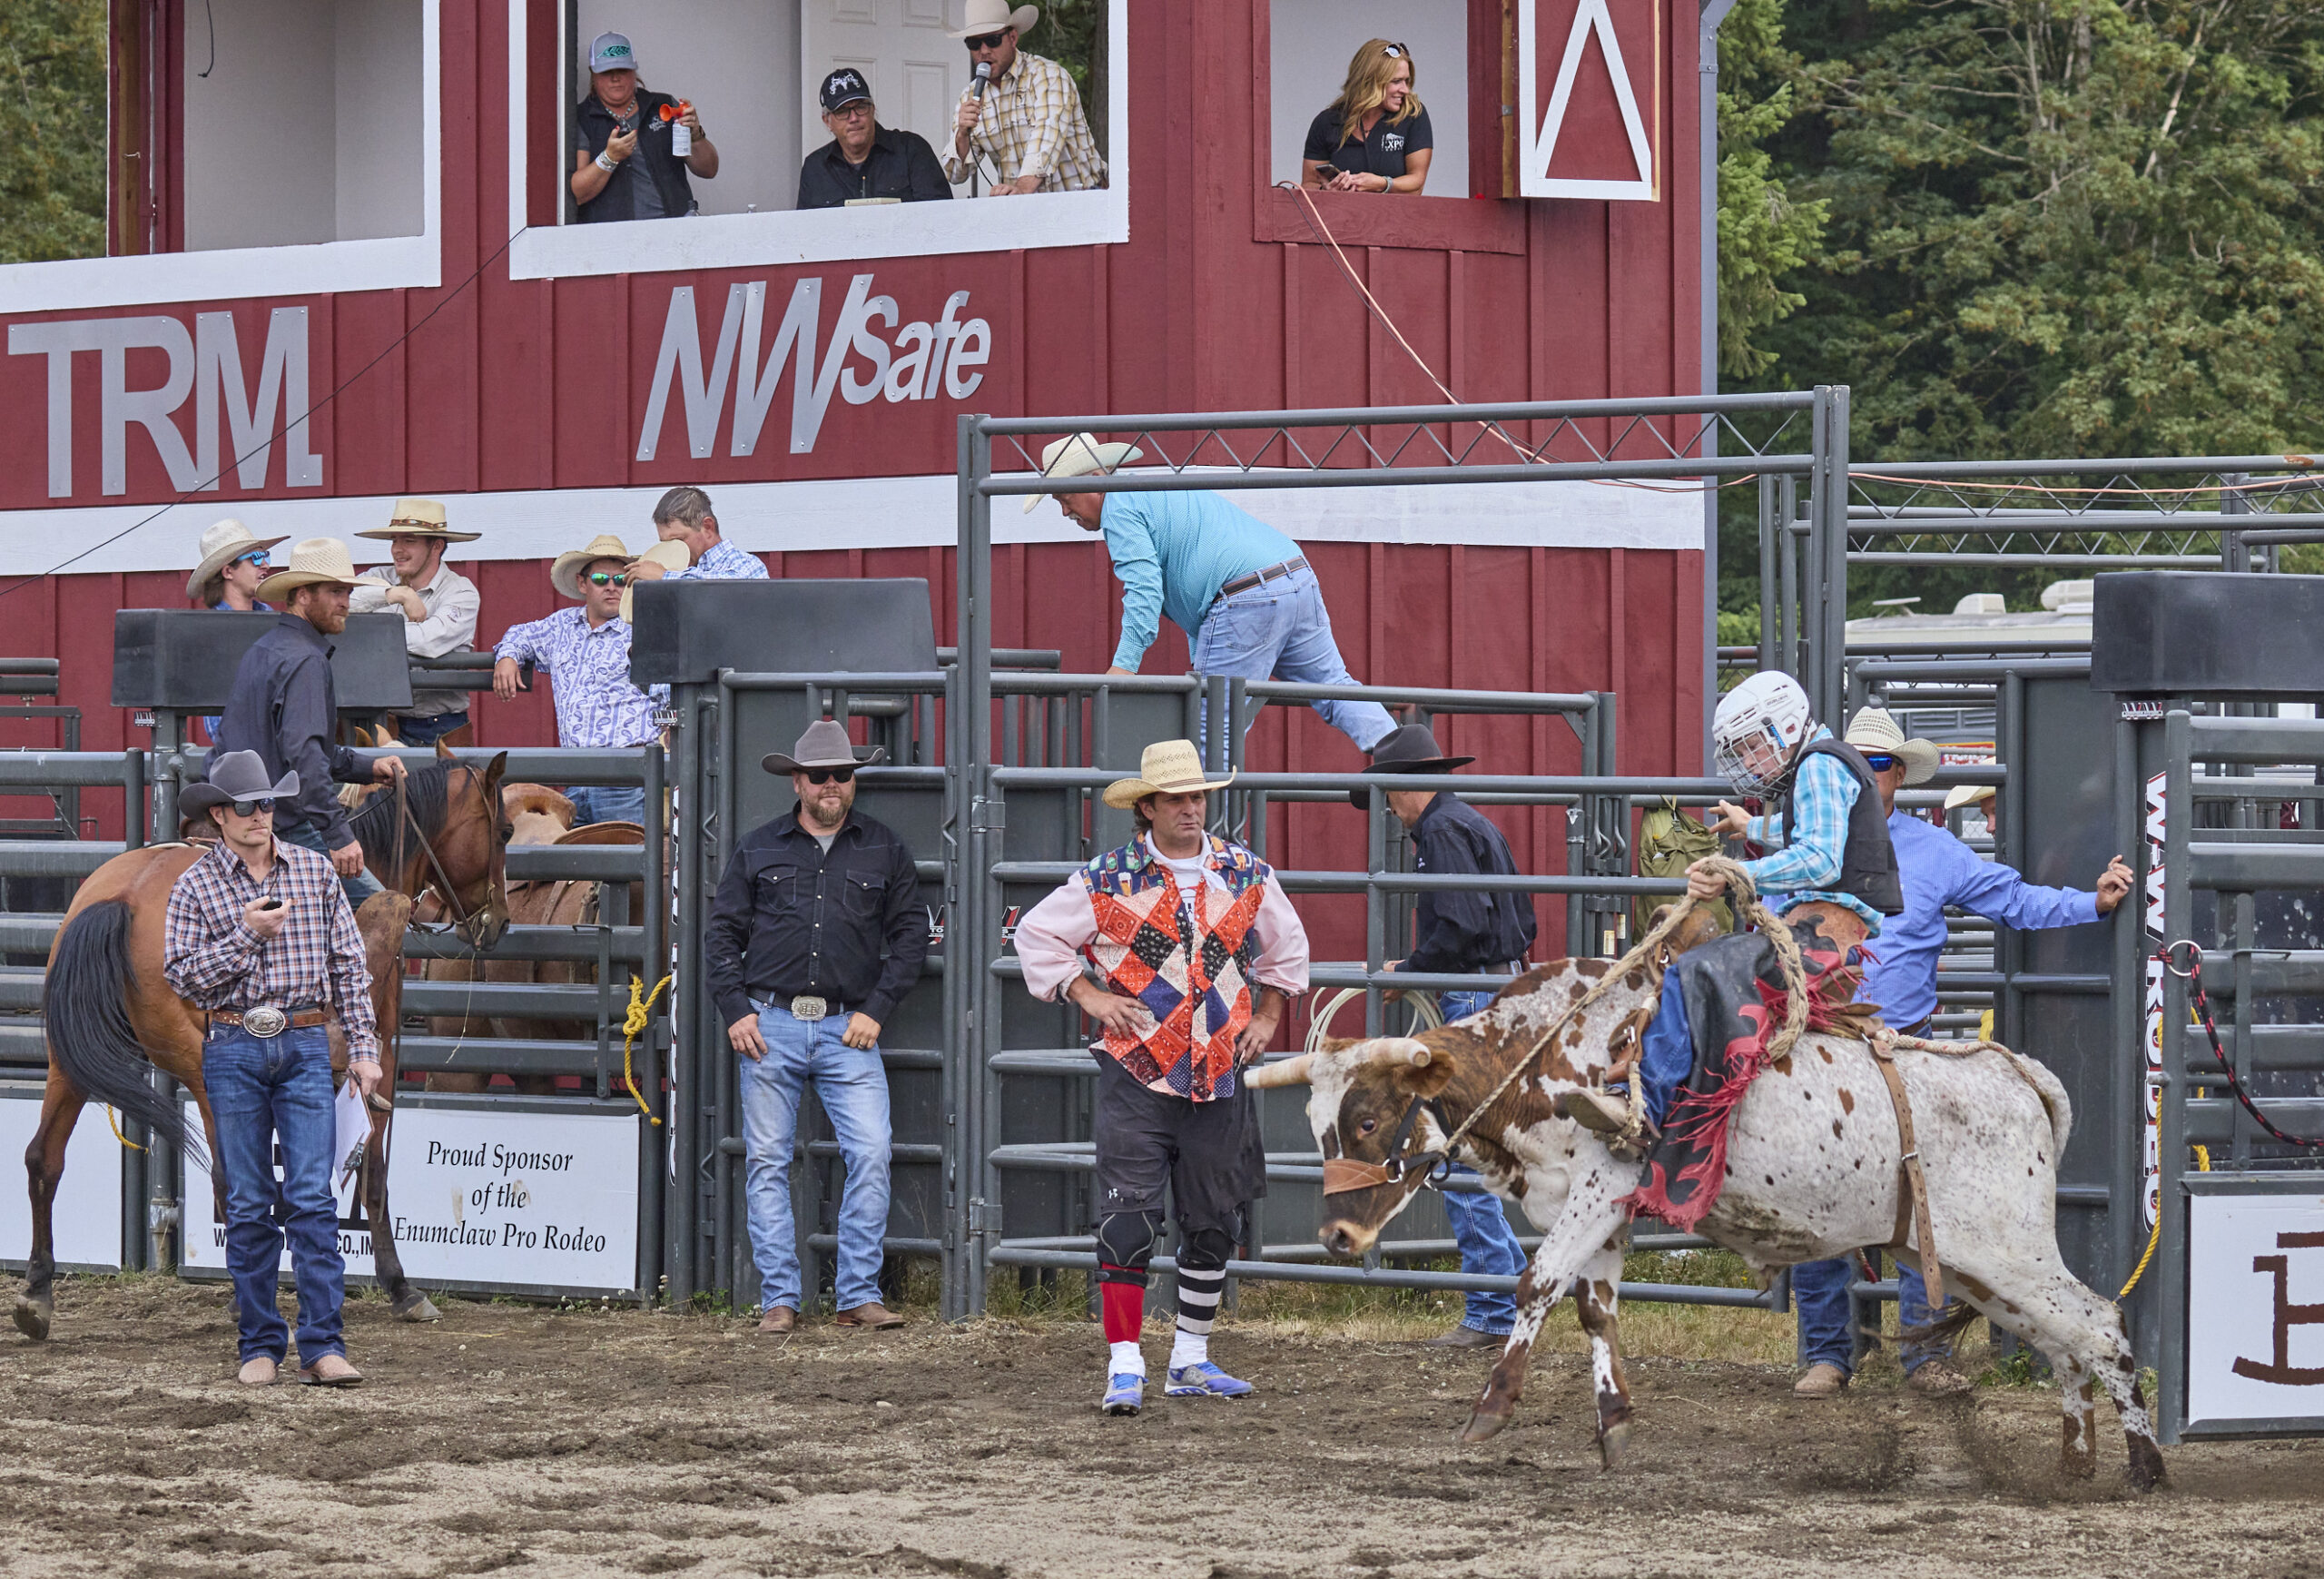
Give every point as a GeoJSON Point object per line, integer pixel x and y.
{"type": "Point", "coordinates": [85, 1218]}
{"type": "Point", "coordinates": [2255, 1308]}
{"type": "Point", "coordinates": [483, 1194]}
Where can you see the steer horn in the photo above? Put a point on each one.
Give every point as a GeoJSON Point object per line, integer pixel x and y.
{"type": "Point", "coordinates": [1291, 1071]}
{"type": "Point", "coordinates": [1392, 1052]}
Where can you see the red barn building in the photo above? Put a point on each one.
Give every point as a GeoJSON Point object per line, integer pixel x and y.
{"type": "Point", "coordinates": [345, 268]}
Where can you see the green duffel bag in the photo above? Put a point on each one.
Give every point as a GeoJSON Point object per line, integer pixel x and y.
{"type": "Point", "coordinates": [1669, 842]}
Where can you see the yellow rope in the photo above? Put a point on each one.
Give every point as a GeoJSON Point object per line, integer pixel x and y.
{"type": "Point", "coordinates": [641, 1015]}
{"type": "Point", "coordinates": [2203, 1163]}
{"type": "Point", "coordinates": [117, 1135]}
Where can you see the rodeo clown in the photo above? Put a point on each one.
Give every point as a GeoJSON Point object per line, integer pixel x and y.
{"type": "Point", "coordinates": [1832, 882]}
{"type": "Point", "coordinates": [1193, 951]}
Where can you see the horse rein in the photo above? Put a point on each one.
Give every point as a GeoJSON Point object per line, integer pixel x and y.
{"type": "Point", "coordinates": [469, 924]}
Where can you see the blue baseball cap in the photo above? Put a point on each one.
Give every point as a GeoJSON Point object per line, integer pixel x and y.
{"type": "Point", "coordinates": [611, 52]}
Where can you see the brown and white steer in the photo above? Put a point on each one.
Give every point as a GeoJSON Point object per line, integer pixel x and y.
{"type": "Point", "coordinates": [1814, 1170]}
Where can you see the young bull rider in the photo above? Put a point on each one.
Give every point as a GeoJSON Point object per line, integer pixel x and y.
{"type": "Point", "coordinates": [1936, 870]}
{"type": "Point", "coordinates": [1832, 882]}
{"type": "Point", "coordinates": [1195, 951]}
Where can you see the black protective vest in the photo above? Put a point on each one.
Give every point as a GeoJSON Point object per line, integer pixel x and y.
{"type": "Point", "coordinates": [1867, 861]}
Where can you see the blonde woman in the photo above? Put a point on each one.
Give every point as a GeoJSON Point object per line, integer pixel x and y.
{"type": "Point", "coordinates": [1375, 136]}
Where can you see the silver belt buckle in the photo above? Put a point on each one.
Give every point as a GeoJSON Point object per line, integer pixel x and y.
{"type": "Point", "coordinates": [265, 1022]}
{"type": "Point", "coordinates": [807, 1008]}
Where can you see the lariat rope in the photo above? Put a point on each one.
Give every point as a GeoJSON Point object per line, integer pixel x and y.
{"type": "Point", "coordinates": [641, 1015]}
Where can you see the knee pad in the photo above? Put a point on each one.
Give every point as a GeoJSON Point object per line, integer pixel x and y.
{"type": "Point", "coordinates": [1204, 1250]}
{"type": "Point", "coordinates": [1125, 1244]}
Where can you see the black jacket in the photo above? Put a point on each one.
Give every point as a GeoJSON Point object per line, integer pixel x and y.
{"type": "Point", "coordinates": [285, 707]}
{"type": "Point", "coordinates": [593, 125]}
{"type": "Point", "coordinates": [1466, 933]}
{"type": "Point", "coordinates": [898, 164]}
{"type": "Point", "coordinates": [1868, 860]}
{"type": "Point", "coordinates": [791, 920]}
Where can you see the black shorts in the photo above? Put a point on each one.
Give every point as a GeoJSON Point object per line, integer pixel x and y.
{"type": "Point", "coordinates": [1209, 1153]}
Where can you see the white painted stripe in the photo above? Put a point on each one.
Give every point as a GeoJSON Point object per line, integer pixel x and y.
{"type": "Point", "coordinates": [867, 512]}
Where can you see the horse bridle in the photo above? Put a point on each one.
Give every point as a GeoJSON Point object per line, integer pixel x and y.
{"type": "Point", "coordinates": [1342, 1175]}
{"type": "Point", "coordinates": [468, 925]}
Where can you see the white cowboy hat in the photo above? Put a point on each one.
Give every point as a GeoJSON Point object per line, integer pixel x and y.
{"type": "Point", "coordinates": [672, 557]}
{"type": "Point", "coordinates": [1079, 456]}
{"type": "Point", "coordinates": [984, 17]}
{"type": "Point", "coordinates": [1873, 729]}
{"type": "Point", "coordinates": [313, 562]}
{"type": "Point", "coordinates": [222, 544]}
{"type": "Point", "coordinates": [419, 518]}
{"type": "Point", "coordinates": [825, 745]}
{"type": "Point", "coordinates": [1968, 794]}
{"type": "Point", "coordinates": [566, 574]}
{"type": "Point", "coordinates": [1167, 767]}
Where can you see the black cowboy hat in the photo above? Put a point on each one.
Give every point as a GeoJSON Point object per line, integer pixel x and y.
{"type": "Point", "coordinates": [236, 775]}
{"type": "Point", "coordinates": [1410, 749]}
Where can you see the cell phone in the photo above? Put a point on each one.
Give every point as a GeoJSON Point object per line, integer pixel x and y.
{"type": "Point", "coordinates": [271, 905]}
{"type": "Point", "coordinates": [1328, 172]}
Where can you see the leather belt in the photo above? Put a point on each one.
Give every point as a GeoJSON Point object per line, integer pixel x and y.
{"type": "Point", "coordinates": [291, 1020]}
{"type": "Point", "coordinates": [1261, 577]}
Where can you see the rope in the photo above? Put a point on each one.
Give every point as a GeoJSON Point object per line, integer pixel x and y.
{"type": "Point", "coordinates": [2203, 1163]}
{"type": "Point", "coordinates": [1319, 1024]}
{"type": "Point", "coordinates": [640, 1015]}
{"type": "Point", "coordinates": [117, 1135]}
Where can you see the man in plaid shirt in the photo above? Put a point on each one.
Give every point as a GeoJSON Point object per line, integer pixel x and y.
{"type": "Point", "coordinates": [1028, 123]}
{"type": "Point", "coordinates": [259, 940]}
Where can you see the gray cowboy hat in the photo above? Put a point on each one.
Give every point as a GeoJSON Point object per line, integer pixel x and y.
{"type": "Point", "coordinates": [1410, 749]}
{"type": "Point", "coordinates": [236, 775]}
{"type": "Point", "coordinates": [825, 744]}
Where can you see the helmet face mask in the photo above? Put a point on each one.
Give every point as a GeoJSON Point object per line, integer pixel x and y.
{"type": "Point", "coordinates": [1757, 730]}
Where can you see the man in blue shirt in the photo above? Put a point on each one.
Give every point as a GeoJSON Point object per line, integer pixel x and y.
{"type": "Point", "coordinates": [1240, 589]}
{"type": "Point", "coordinates": [1938, 870]}
{"type": "Point", "coordinates": [684, 516]}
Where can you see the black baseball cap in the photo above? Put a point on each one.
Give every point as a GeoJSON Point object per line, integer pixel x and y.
{"type": "Point", "coordinates": [843, 88]}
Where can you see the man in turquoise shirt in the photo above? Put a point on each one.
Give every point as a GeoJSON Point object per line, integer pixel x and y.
{"type": "Point", "coordinates": [1240, 589]}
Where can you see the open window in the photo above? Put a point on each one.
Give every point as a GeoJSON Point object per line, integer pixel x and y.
{"type": "Point", "coordinates": [1313, 42]}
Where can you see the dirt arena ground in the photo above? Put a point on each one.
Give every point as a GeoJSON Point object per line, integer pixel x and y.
{"type": "Point", "coordinates": [521, 1441]}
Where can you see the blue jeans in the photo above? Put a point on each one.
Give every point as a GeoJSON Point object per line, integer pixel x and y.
{"type": "Point", "coordinates": [413, 730]}
{"type": "Point", "coordinates": [1488, 1246]}
{"type": "Point", "coordinates": [852, 1083]}
{"type": "Point", "coordinates": [608, 803]}
{"type": "Point", "coordinates": [307, 836]}
{"type": "Point", "coordinates": [1281, 631]}
{"type": "Point", "coordinates": [1668, 1055]}
{"type": "Point", "coordinates": [259, 1090]}
{"type": "Point", "coordinates": [1820, 1289]}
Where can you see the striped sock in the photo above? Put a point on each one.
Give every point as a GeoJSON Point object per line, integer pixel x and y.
{"type": "Point", "coordinates": [1198, 1292]}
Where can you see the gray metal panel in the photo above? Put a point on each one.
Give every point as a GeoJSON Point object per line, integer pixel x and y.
{"type": "Point", "coordinates": [689, 630]}
{"type": "Point", "coordinates": [185, 658]}
{"type": "Point", "coordinates": [2188, 633]}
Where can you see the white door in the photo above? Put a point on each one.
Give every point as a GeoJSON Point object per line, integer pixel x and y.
{"type": "Point", "coordinates": [904, 50]}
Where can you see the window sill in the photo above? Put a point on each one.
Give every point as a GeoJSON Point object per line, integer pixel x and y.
{"type": "Point", "coordinates": [1444, 225]}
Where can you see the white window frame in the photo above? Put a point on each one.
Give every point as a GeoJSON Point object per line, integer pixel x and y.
{"type": "Point", "coordinates": [911, 229]}
{"type": "Point", "coordinates": [238, 273]}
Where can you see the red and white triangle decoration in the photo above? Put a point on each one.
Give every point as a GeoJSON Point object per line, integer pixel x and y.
{"type": "Point", "coordinates": [1538, 144]}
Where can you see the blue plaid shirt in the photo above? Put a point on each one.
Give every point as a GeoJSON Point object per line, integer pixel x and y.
{"type": "Point", "coordinates": [724, 562]}
{"type": "Point", "coordinates": [588, 669]}
{"type": "Point", "coordinates": [1821, 797]}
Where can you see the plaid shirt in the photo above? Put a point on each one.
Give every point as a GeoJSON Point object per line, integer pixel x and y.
{"type": "Point", "coordinates": [1813, 843]}
{"type": "Point", "coordinates": [723, 562]}
{"type": "Point", "coordinates": [597, 708]}
{"type": "Point", "coordinates": [214, 960]}
{"type": "Point", "coordinates": [1032, 125]}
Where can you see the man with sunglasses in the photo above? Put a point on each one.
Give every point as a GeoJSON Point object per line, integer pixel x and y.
{"type": "Point", "coordinates": [1026, 124]}
{"type": "Point", "coordinates": [1936, 870]}
{"type": "Point", "coordinates": [586, 653]}
{"type": "Point", "coordinates": [259, 939]}
{"type": "Point", "coordinates": [815, 935]}
{"type": "Point", "coordinates": [234, 561]}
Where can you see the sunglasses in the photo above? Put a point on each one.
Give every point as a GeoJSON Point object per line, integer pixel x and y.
{"type": "Point", "coordinates": [252, 808]}
{"type": "Point", "coordinates": [1396, 51]}
{"type": "Point", "coordinates": [986, 40]}
{"type": "Point", "coordinates": [608, 578]}
{"type": "Point", "coordinates": [1878, 761]}
{"type": "Point", "coordinates": [829, 775]}
{"type": "Point", "coordinates": [260, 559]}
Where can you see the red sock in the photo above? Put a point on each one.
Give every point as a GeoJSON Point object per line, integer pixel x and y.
{"type": "Point", "coordinates": [1123, 1305]}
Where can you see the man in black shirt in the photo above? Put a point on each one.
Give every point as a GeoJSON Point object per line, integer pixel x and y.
{"type": "Point", "coordinates": [864, 159]}
{"type": "Point", "coordinates": [808, 905]}
{"type": "Point", "coordinates": [626, 162]}
{"type": "Point", "coordinates": [1467, 934]}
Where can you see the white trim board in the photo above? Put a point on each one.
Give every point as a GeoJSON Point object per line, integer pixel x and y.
{"type": "Point", "coordinates": [872, 513]}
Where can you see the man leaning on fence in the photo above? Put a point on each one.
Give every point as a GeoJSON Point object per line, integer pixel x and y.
{"type": "Point", "coordinates": [586, 651]}
{"type": "Point", "coordinates": [440, 608]}
{"type": "Point", "coordinates": [816, 935]}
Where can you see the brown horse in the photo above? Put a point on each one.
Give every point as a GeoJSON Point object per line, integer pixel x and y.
{"type": "Point", "coordinates": [109, 1012]}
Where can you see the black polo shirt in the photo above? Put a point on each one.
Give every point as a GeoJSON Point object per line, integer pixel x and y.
{"type": "Point", "coordinates": [898, 164]}
{"type": "Point", "coordinates": [791, 918]}
{"type": "Point", "coordinates": [651, 184]}
{"type": "Point", "coordinates": [1382, 153]}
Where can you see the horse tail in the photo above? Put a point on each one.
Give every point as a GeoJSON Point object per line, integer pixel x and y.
{"type": "Point", "coordinates": [85, 1005]}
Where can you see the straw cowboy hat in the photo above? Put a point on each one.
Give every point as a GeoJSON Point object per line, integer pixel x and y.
{"type": "Point", "coordinates": [235, 775]}
{"type": "Point", "coordinates": [825, 744]}
{"type": "Point", "coordinates": [1968, 795]}
{"type": "Point", "coordinates": [1412, 748]}
{"type": "Point", "coordinates": [1872, 729]}
{"type": "Point", "coordinates": [221, 545]}
{"type": "Point", "coordinates": [1167, 767]}
{"type": "Point", "coordinates": [671, 558]}
{"type": "Point", "coordinates": [419, 518]}
{"type": "Point", "coordinates": [1079, 456]}
{"type": "Point", "coordinates": [314, 562]}
{"type": "Point", "coordinates": [566, 574]}
{"type": "Point", "coordinates": [984, 17]}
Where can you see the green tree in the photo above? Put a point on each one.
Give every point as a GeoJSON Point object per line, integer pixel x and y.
{"type": "Point", "coordinates": [53, 123]}
{"type": "Point", "coordinates": [1763, 234]}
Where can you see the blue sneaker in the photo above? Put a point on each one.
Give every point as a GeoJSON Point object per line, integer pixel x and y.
{"type": "Point", "coordinates": [1125, 1394]}
{"type": "Point", "coordinates": [1204, 1380]}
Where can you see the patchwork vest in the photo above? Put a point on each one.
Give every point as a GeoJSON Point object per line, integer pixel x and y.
{"type": "Point", "coordinates": [1188, 958]}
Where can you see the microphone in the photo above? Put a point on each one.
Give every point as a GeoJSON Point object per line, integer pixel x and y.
{"type": "Point", "coordinates": [984, 77]}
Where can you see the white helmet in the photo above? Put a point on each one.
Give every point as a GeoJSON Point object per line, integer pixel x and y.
{"type": "Point", "coordinates": [1758, 726]}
